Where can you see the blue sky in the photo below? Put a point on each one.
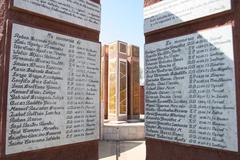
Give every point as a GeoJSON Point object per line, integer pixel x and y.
{"type": "Point", "coordinates": [123, 20]}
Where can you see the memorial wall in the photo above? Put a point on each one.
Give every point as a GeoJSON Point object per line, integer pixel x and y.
{"type": "Point", "coordinates": [84, 13]}
{"type": "Point", "coordinates": [191, 79]}
{"type": "Point", "coordinates": [172, 12]}
{"type": "Point", "coordinates": [117, 81]}
{"type": "Point", "coordinates": [50, 97]}
{"type": "Point", "coordinates": [190, 89]}
{"type": "Point", "coordinates": [133, 82]}
{"type": "Point", "coordinates": [53, 90]}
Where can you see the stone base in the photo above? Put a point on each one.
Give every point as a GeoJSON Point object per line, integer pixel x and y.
{"type": "Point", "coordinates": [80, 151]}
{"type": "Point", "coordinates": [163, 150]}
{"type": "Point", "coordinates": [121, 130]}
{"type": "Point", "coordinates": [112, 117]}
{"type": "Point", "coordinates": [133, 117]}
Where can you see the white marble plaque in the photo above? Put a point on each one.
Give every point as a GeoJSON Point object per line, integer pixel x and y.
{"type": "Point", "coordinates": [190, 90]}
{"type": "Point", "coordinates": [53, 90]}
{"type": "Point", "coordinates": [81, 12]}
{"type": "Point", "coordinates": [171, 12]}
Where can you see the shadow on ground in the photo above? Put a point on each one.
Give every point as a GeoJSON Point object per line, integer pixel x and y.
{"type": "Point", "coordinates": [108, 149]}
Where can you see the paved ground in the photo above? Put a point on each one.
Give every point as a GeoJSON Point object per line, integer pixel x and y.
{"type": "Point", "coordinates": [129, 150]}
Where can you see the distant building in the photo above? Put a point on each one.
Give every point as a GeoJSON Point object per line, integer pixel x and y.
{"type": "Point", "coordinates": [120, 81]}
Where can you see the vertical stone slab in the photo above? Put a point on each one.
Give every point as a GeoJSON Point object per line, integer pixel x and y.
{"type": "Point", "coordinates": [192, 71]}
{"type": "Point", "coordinates": [50, 74]}
{"type": "Point", "coordinates": [133, 82]}
{"type": "Point", "coordinates": [117, 82]}
{"type": "Point", "coordinates": [104, 79]}
{"type": "Point", "coordinates": [141, 100]}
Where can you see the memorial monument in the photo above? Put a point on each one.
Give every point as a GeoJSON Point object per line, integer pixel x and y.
{"type": "Point", "coordinates": [117, 81]}
{"type": "Point", "coordinates": [142, 100]}
{"type": "Point", "coordinates": [50, 78]}
{"type": "Point", "coordinates": [191, 75]}
{"type": "Point", "coordinates": [133, 83]}
{"type": "Point", "coordinates": [104, 80]}
{"type": "Point", "coordinates": [120, 81]}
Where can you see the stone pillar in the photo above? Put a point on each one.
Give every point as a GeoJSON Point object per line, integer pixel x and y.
{"type": "Point", "coordinates": [50, 78]}
{"type": "Point", "coordinates": [192, 79]}
{"type": "Point", "coordinates": [117, 82]}
{"type": "Point", "coordinates": [133, 82]}
{"type": "Point", "coordinates": [141, 100]}
{"type": "Point", "coordinates": [104, 79]}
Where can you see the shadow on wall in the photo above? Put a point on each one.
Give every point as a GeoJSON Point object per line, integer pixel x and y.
{"type": "Point", "coordinates": [161, 21]}
{"type": "Point", "coordinates": [190, 84]}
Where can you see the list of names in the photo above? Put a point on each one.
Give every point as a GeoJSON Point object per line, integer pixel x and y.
{"type": "Point", "coordinates": [53, 90]}
{"type": "Point", "coordinates": [190, 89]}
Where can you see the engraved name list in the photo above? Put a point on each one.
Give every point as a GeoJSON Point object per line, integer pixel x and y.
{"type": "Point", "coordinates": [190, 89]}
{"type": "Point", "coordinates": [53, 93]}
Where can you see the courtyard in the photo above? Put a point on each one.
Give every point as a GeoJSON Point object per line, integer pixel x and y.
{"type": "Point", "coordinates": [126, 150]}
